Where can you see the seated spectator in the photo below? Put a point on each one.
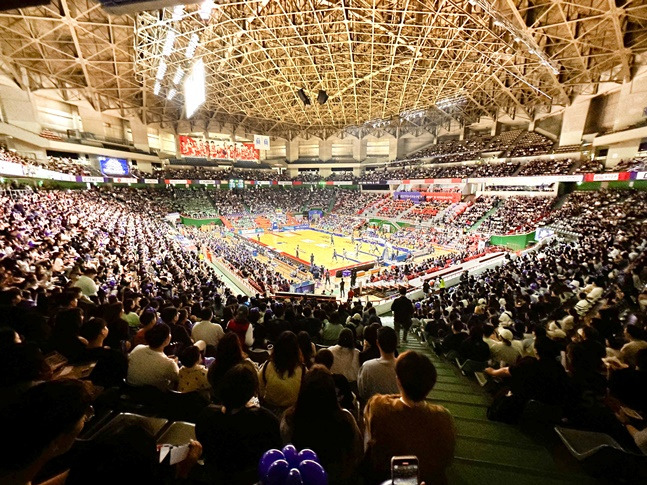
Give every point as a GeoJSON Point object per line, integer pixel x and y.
{"type": "Point", "coordinates": [118, 335]}
{"type": "Point", "coordinates": [345, 395]}
{"type": "Point", "coordinates": [504, 352]}
{"type": "Point", "coordinates": [130, 314]}
{"type": "Point", "coordinates": [228, 354]}
{"type": "Point", "coordinates": [66, 338]}
{"type": "Point", "coordinates": [630, 385]}
{"type": "Point", "coordinates": [192, 375]}
{"type": "Point", "coordinates": [332, 329]}
{"type": "Point", "coordinates": [542, 379]}
{"type": "Point", "coordinates": [370, 350]}
{"type": "Point", "coordinates": [408, 425]}
{"type": "Point", "coordinates": [147, 320]}
{"type": "Point", "coordinates": [149, 366]}
{"type": "Point", "coordinates": [111, 365]}
{"type": "Point", "coordinates": [453, 341]}
{"type": "Point", "coordinates": [206, 330]}
{"type": "Point", "coordinates": [42, 424]}
{"type": "Point", "coordinates": [318, 422]}
{"type": "Point", "coordinates": [180, 337]}
{"type": "Point", "coordinates": [377, 376]}
{"type": "Point", "coordinates": [637, 341]}
{"type": "Point", "coordinates": [280, 377]}
{"type": "Point", "coordinates": [346, 356]}
{"type": "Point", "coordinates": [240, 326]}
{"type": "Point", "coordinates": [235, 435]}
{"type": "Point", "coordinates": [308, 349]}
{"type": "Point", "coordinates": [474, 347]}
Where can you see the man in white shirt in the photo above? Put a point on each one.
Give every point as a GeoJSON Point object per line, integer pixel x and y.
{"type": "Point", "coordinates": [87, 284]}
{"type": "Point", "coordinates": [377, 376]}
{"type": "Point", "coordinates": [147, 364]}
{"type": "Point", "coordinates": [206, 330]}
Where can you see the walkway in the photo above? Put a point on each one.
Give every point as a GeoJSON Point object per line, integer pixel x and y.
{"type": "Point", "coordinates": [491, 453]}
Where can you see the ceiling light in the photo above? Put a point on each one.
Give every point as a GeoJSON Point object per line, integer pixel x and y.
{"type": "Point", "coordinates": [168, 44]}
{"type": "Point", "coordinates": [192, 46]}
{"type": "Point", "coordinates": [178, 11]}
{"type": "Point", "coordinates": [157, 88]}
{"type": "Point", "coordinates": [171, 94]}
{"type": "Point", "coordinates": [498, 23]}
{"type": "Point", "coordinates": [161, 70]}
{"type": "Point", "coordinates": [178, 75]}
{"type": "Point", "coordinates": [205, 9]}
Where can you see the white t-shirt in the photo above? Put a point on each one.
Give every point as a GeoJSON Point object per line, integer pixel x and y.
{"type": "Point", "coordinates": [210, 332]}
{"type": "Point", "coordinates": [346, 362]}
{"type": "Point", "coordinates": [147, 367]}
{"type": "Point", "coordinates": [377, 376]}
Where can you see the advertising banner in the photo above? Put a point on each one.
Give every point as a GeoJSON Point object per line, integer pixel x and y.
{"type": "Point", "coordinates": [218, 149]}
{"type": "Point", "coordinates": [151, 181]}
{"type": "Point", "coordinates": [447, 196]}
{"type": "Point", "coordinates": [10, 168]}
{"type": "Point", "coordinates": [407, 195]}
{"type": "Point", "coordinates": [261, 142]}
{"type": "Point", "coordinates": [90, 180]}
{"type": "Point", "coordinates": [121, 180]}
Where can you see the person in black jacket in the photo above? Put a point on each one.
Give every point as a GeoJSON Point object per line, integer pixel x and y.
{"type": "Point", "coordinates": [402, 309]}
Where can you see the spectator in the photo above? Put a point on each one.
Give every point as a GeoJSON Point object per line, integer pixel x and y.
{"type": "Point", "coordinates": [236, 434]}
{"type": "Point", "coordinates": [280, 377]}
{"type": "Point", "coordinates": [192, 375]}
{"type": "Point", "coordinates": [66, 338]}
{"type": "Point", "coordinates": [345, 395]}
{"type": "Point", "coordinates": [504, 352]}
{"type": "Point", "coordinates": [206, 330]}
{"type": "Point", "coordinates": [407, 425]}
{"type": "Point", "coordinates": [332, 329]}
{"type": "Point", "coordinates": [318, 422]}
{"type": "Point", "coordinates": [147, 320]}
{"type": "Point", "coordinates": [377, 376]}
{"type": "Point", "coordinates": [307, 348]}
{"type": "Point", "coordinates": [370, 350]}
{"type": "Point", "coordinates": [346, 356]}
{"type": "Point", "coordinates": [637, 341]}
{"type": "Point", "coordinates": [403, 310]}
{"type": "Point", "coordinates": [228, 354]}
{"type": "Point", "coordinates": [147, 364]}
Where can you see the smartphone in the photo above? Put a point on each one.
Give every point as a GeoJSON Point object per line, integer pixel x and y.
{"type": "Point", "coordinates": [404, 470]}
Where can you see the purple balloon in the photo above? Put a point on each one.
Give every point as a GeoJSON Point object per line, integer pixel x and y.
{"type": "Point", "coordinates": [307, 454]}
{"type": "Point", "coordinates": [290, 453]}
{"type": "Point", "coordinates": [277, 473]}
{"type": "Point", "coordinates": [269, 457]}
{"type": "Point", "coordinates": [294, 477]}
{"type": "Point", "coordinates": [312, 473]}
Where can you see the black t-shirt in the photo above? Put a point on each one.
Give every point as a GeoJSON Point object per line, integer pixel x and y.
{"type": "Point", "coordinates": [476, 350]}
{"type": "Point", "coordinates": [402, 309]}
{"type": "Point", "coordinates": [234, 443]}
{"type": "Point", "coordinates": [542, 380]}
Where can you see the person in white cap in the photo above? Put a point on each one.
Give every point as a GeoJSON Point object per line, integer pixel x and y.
{"type": "Point", "coordinates": [504, 352]}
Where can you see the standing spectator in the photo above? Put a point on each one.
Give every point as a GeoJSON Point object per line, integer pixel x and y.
{"type": "Point", "coordinates": [346, 356]}
{"type": "Point", "coordinates": [147, 364]}
{"type": "Point", "coordinates": [318, 422]}
{"type": "Point", "coordinates": [377, 376]}
{"type": "Point", "coordinates": [408, 425]}
{"type": "Point", "coordinates": [402, 309]}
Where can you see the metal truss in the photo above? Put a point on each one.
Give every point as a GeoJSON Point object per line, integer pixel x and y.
{"type": "Point", "coordinates": [379, 61]}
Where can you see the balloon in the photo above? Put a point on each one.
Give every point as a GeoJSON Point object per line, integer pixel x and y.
{"type": "Point", "coordinates": [307, 454]}
{"type": "Point", "coordinates": [269, 457]}
{"type": "Point", "coordinates": [277, 473]}
{"type": "Point", "coordinates": [294, 477]}
{"type": "Point", "coordinates": [290, 453]}
{"type": "Point", "coordinates": [312, 473]}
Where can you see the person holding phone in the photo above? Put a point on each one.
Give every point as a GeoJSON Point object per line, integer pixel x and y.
{"type": "Point", "coordinates": [408, 425]}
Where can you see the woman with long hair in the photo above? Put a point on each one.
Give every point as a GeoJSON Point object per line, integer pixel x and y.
{"type": "Point", "coordinates": [228, 354]}
{"type": "Point", "coordinates": [346, 356]}
{"type": "Point", "coordinates": [280, 377]}
{"type": "Point", "coordinates": [318, 422]}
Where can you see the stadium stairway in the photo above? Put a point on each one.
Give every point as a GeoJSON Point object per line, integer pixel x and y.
{"type": "Point", "coordinates": [482, 219]}
{"type": "Point", "coordinates": [488, 452]}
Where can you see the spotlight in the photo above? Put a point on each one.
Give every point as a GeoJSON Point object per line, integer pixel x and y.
{"type": "Point", "coordinates": [303, 97]}
{"type": "Point", "coordinates": [322, 97]}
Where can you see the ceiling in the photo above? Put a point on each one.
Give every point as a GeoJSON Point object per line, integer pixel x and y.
{"type": "Point", "coordinates": [400, 65]}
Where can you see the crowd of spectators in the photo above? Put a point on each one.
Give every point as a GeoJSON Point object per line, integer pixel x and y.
{"type": "Point", "coordinates": [546, 166]}
{"type": "Point", "coordinates": [517, 214]}
{"type": "Point", "coordinates": [473, 212]}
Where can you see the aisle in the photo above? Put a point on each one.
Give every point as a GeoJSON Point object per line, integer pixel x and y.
{"type": "Point", "coordinates": [487, 452]}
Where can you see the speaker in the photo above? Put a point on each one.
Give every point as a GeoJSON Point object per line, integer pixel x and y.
{"type": "Point", "coordinates": [322, 97]}
{"type": "Point", "coordinates": [303, 97]}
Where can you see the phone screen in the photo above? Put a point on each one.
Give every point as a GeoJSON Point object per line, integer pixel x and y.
{"type": "Point", "coordinates": [404, 471]}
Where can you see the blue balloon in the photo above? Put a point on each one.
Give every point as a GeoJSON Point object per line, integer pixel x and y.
{"type": "Point", "coordinates": [277, 473]}
{"type": "Point", "coordinates": [269, 457]}
{"type": "Point", "coordinates": [290, 453]}
{"type": "Point", "coordinates": [294, 477]}
{"type": "Point", "coordinates": [312, 473]}
{"type": "Point", "coordinates": [307, 454]}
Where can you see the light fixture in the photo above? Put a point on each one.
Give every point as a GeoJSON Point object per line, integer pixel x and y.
{"type": "Point", "coordinates": [171, 94]}
{"type": "Point", "coordinates": [157, 88]}
{"type": "Point", "coordinates": [161, 70]}
{"type": "Point", "coordinates": [178, 11]}
{"type": "Point", "coordinates": [168, 44]}
{"type": "Point", "coordinates": [192, 46]}
{"type": "Point", "coordinates": [178, 75]}
{"type": "Point", "coordinates": [205, 9]}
